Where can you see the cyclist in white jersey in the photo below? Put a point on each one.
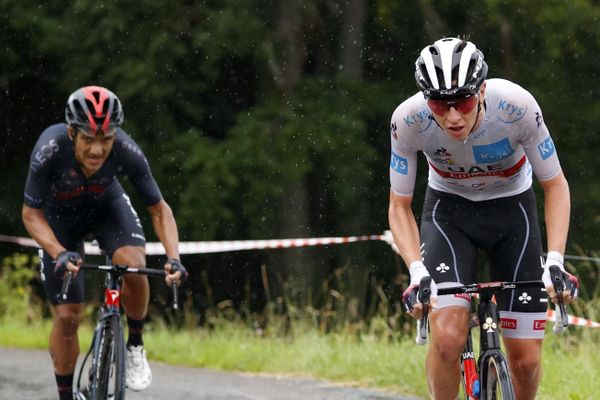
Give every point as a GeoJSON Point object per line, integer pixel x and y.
{"type": "Point", "coordinates": [482, 140]}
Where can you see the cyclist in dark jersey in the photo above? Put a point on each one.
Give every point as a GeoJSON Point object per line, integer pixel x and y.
{"type": "Point", "coordinates": [483, 140]}
{"type": "Point", "coordinates": [71, 191]}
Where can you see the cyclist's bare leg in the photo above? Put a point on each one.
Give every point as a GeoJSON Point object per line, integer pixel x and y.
{"type": "Point", "coordinates": [449, 327]}
{"type": "Point", "coordinates": [135, 290]}
{"type": "Point", "coordinates": [64, 344]}
{"type": "Point", "coordinates": [525, 363]}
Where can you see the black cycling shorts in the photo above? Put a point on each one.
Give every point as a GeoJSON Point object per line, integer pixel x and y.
{"type": "Point", "coordinates": [454, 229]}
{"type": "Point", "coordinates": [113, 222]}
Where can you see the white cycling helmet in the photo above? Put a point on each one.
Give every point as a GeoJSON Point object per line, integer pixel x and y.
{"type": "Point", "coordinates": [450, 68]}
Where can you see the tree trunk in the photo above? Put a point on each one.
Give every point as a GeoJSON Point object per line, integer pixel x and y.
{"type": "Point", "coordinates": [291, 45]}
{"type": "Point", "coordinates": [292, 265]}
{"type": "Point", "coordinates": [506, 47]}
{"type": "Point", "coordinates": [354, 17]}
{"type": "Point", "coordinates": [433, 24]}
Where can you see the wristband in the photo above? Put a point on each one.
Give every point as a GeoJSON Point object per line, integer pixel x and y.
{"type": "Point", "coordinates": [557, 258]}
{"type": "Point", "coordinates": [417, 271]}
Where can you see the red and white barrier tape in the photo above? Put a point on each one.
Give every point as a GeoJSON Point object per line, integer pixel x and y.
{"type": "Point", "coordinates": [236, 245]}
{"type": "Point", "coordinates": [27, 242]}
{"type": "Point", "coordinates": [156, 248]}
{"type": "Point", "coordinates": [573, 320]}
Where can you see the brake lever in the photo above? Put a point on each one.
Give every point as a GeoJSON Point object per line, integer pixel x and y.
{"type": "Point", "coordinates": [558, 281]}
{"type": "Point", "coordinates": [62, 296]}
{"type": "Point", "coordinates": [174, 269]}
{"type": "Point", "coordinates": [175, 301]}
{"type": "Point", "coordinates": [424, 297]}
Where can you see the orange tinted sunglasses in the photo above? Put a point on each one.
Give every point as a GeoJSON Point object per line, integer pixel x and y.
{"type": "Point", "coordinates": [463, 106]}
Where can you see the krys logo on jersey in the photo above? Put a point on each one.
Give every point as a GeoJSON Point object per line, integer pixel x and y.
{"type": "Point", "coordinates": [399, 164]}
{"type": "Point", "coordinates": [419, 118]}
{"type": "Point", "coordinates": [546, 148]}
{"type": "Point", "coordinates": [509, 113]}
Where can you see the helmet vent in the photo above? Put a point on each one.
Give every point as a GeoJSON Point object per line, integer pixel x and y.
{"type": "Point", "coordinates": [97, 113]}
{"type": "Point", "coordinates": [79, 108]}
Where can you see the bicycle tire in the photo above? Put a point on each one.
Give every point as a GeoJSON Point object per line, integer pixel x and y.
{"type": "Point", "coordinates": [98, 349]}
{"type": "Point", "coordinates": [108, 378]}
{"type": "Point", "coordinates": [495, 378]}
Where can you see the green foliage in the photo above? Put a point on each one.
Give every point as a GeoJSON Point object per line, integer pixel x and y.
{"type": "Point", "coordinates": [202, 90]}
{"type": "Point", "coordinates": [228, 147]}
{"type": "Point", "coordinates": [17, 273]}
{"type": "Point", "coordinates": [319, 133]}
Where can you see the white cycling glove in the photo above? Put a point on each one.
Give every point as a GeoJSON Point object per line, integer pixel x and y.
{"type": "Point", "coordinates": [417, 271]}
{"type": "Point", "coordinates": [553, 258]}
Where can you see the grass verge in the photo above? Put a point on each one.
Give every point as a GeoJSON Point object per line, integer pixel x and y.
{"type": "Point", "coordinates": [570, 361]}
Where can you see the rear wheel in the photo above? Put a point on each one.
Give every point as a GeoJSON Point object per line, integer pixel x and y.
{"type": "Point", "coordinates": [496, 378]}
{"type": "Point", "coordinates": [107, 376]}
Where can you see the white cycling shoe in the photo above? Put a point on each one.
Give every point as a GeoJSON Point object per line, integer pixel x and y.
{"type": "Point", "coordinates": [138, 375]}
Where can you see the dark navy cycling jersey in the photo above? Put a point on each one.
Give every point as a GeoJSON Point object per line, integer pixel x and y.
{"type": "Point", "coordinates": [56, 180]}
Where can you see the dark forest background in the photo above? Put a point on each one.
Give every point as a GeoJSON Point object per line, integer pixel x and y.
{"type": "Point", "coordinates": [269, 119]}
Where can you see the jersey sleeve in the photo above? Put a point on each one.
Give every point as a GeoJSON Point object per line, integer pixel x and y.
{"type": "Point", "coordinates": [138, 170]}
{"type": "Point", "coordinates": [36, 189]}
{"type": "Point", "coordinates": [403, 157]}
{"type": "Point", "coordinates": [537, 142]}
{"type": "Point", "coordinates": [43, 155]}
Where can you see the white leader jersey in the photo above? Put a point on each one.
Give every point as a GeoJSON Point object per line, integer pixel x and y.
{"type": "Point", "coordinates": [496, 160]}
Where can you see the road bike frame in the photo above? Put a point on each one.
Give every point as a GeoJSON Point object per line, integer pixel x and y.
{"type": "Point", "coordinates": [106, 373]}
{"type": "Point", "coordinates": [488, 376]}
{"type": "Point", "coordinates": [490, 353]}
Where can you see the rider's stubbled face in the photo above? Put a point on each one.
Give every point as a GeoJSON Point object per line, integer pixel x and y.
{"type": "Point", "coordinates": [92, 150]}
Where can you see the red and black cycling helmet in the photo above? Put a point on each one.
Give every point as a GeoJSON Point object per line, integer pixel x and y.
{"type": "Point", "coordinates": [450, 68]}
{"type": "Point", "coordinates": [94, 109]}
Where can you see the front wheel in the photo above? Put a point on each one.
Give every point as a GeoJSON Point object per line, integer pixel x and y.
{"type": "Point", "coordinates": [495, 378]}
{"type": "Point", "coordinates": [107, 377]}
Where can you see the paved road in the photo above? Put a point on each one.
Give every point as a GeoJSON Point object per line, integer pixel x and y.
{"type": "Point", "coordinates": [27, 375]}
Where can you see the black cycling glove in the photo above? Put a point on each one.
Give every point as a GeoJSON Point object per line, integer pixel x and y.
{"type": "Point", "coordinates": [176, 265]}
{"type": "Point", "coordinates": [62, 259]}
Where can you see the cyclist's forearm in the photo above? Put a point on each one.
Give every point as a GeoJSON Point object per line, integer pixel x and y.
{"type": "Point", "coordinates": [404, 228]}
{"type": "Point", "coordinates": [557, 209]}
{"type": "Point", "coordinates": [38, 228]}
{"type": "Point", "coordinates": [165, 228]}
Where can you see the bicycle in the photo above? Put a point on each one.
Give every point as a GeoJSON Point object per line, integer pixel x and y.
{"type": "Point", "coordinates": [106, 373]}
{"type": "Point", "coordinates": [488, 377]}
